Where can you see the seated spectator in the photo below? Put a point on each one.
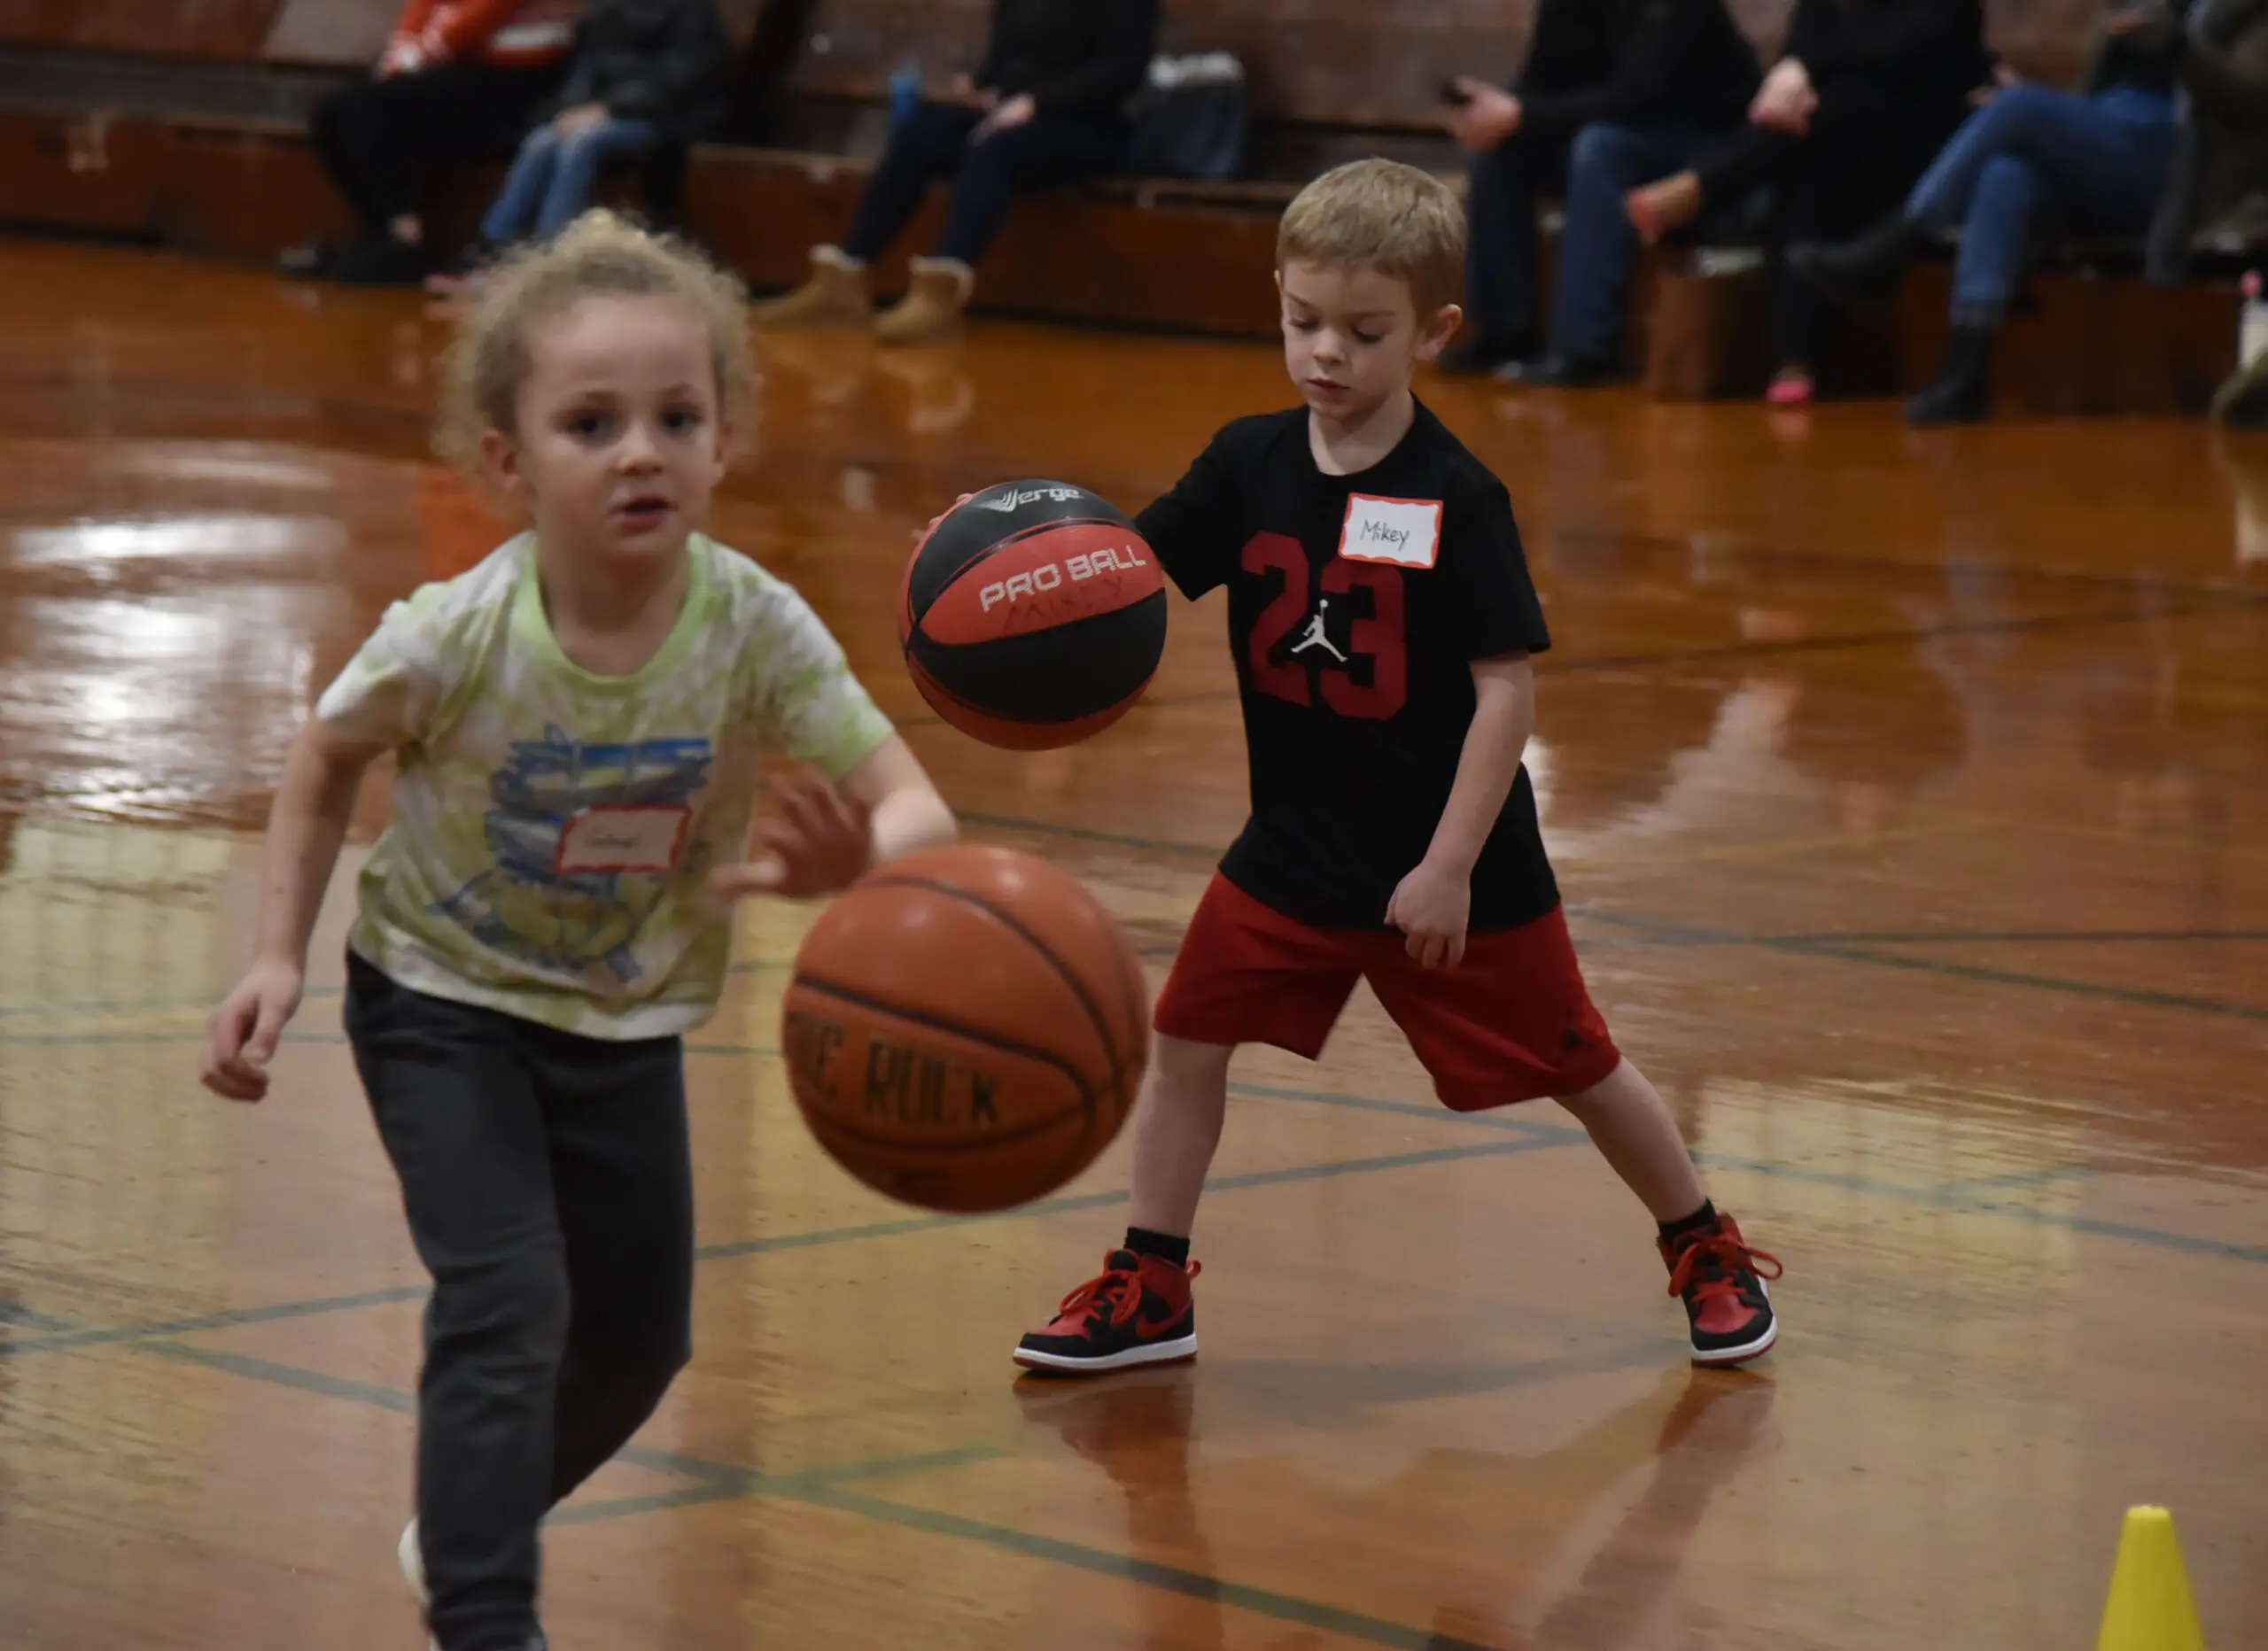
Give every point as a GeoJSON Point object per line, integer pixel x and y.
{"type": "Point", "coordinates": [1616, 93]}
{"type": "Point", "coordinates": [2091, 162]}
{"type": "Point", "coordinates": [1046, 109]}
{"type": "Point", "coordinates": [459, 80]}
{"type": "Point", "coordinates": [644, 73]}
{"type": "Point", "coordinates": [1867, 94]}
{"type": "Point", "coordinates": [2219, 180]}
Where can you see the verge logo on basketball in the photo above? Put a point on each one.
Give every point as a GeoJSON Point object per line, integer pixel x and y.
{"type": "Point", "coordinates": [1010, 499]}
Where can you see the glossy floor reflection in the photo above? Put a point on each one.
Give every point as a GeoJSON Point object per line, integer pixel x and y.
{"type": "Point", "coordinates": [1906, 791]}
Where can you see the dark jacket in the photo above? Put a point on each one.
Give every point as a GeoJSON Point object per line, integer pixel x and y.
{"type": "Point", "coordinates": [2145, 57]}
{"type": "Point", "coordinates": [658, 60]}
{"type": "Point", "coordinates": [1929, 52]}
{"type": "Point", "coordinates": [1636, 62]}
{"type": "Point", "coordinates": [1074, 57]}
{"type": "Point", "coordinates": [2219, 173]}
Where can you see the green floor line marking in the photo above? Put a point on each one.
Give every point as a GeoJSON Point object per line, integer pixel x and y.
{"type": "Point", "coordinates": [1655, 932]}
{"type": "Point", "coordinates": [630, 1506]}
{"type": "Point", "coordinates": [1529, 1135]}
{"type": "Point", "coordinates": [720, 1481]}
{"type": "Point", "coordinates": [717, 1480]}
{"type": "Point", "coordinates": [1103, 1563]}
{"type": "Point", "coordinates": [238, 1317]}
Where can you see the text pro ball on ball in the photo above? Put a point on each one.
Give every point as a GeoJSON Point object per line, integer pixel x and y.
{"type": "Point", "coordinates": [1033, 615]}
{"type": "Point", "coordinates": [966, 1029]}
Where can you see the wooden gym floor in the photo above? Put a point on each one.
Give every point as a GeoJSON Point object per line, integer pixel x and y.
{"type": "Point", "coordinates": [1908, 792]}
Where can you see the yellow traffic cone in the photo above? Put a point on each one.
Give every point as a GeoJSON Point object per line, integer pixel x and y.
{"type": "Point", "coordinates": [2149, 1607]}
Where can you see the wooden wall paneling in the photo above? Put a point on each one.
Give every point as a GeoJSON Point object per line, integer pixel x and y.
{"type": "Point", "coordinates": [213, 28]}
{"type": "Point", "coordinates": [79, 173]}
{"type": "Point", "coordinates": [244, 194]}
{"type": "Point", "coordinates": [853, 46]}
{"type": "Point", "coordinates": [1347, 73]}
{"type": "Point", "coordinates": [332, 31]}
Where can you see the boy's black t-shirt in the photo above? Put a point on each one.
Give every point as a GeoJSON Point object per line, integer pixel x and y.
{"type": "Point", "coordinates": [1356, 668]}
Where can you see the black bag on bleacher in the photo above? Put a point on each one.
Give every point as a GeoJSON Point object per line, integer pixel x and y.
{"type": "Point", "coordinates": [1191, 121]}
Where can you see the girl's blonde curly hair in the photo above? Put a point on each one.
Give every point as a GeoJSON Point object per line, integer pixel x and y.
{"type": "Point", "coordinates": [600, 254]}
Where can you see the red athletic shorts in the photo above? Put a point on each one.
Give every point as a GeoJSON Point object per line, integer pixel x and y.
{"type": "Point", "coordinates": [1510, 1022]}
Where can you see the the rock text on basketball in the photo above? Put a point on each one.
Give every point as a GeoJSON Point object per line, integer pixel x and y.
{"type": "Point", "coordinates": [812, 1043]}
{"type": "Point", "coordinates": [912, 1086]}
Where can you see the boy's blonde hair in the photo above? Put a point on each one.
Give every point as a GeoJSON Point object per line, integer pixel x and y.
{"type": "Point", "coordinates": [1382, 215]}
{"type": "Point", "coordinates": [600, 254]}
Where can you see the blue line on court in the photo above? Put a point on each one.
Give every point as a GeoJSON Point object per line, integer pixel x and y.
{"type": "Point", "coordinates": [2015, 1178]}
{"type": "Point", "coordinates": [828, 1488]}
{"type": "Point", "coordinates": [1955, 1195]}
{"type": "Point", "coordinates": [1172, 1578]}
{"type": "Point", "coordinates": [1655, 932]}
{"type": "Point", "coordinates": [1853, 949]}
{"type": "Point", "coordinates": [715, 1481]}
{"type": "Point", "coordinates": [235, 1317]}
{"type": "Point", "coordinates": [1530, 1134]}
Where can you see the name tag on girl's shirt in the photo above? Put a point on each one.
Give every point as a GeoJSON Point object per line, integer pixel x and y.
{"type": "Point", "coordinates": [1406, 532]}
{"type": "Point", "coordinates": [627, 837]}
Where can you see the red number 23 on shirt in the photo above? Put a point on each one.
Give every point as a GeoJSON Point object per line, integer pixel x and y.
{"type": "Point", "coordinates": [1377, 639]}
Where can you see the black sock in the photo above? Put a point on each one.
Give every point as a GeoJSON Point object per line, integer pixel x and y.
{"type": "Point", "coordinates": [1166, 1247]}
{"type": "Point", "coordinates": [1706, 1216]}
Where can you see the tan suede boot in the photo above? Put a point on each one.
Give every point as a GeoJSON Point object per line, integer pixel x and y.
{"type": "Point", "coordinates": [932, 306]}
{"type": "Point", "coordinates": [836, 296]}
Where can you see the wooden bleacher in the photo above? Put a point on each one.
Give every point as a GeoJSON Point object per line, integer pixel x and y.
{"type": "Point", "coordinates": [183, 126]}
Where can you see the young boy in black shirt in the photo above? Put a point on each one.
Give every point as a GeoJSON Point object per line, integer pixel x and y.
{"type": "Point", "coordinates": [1382, 620]}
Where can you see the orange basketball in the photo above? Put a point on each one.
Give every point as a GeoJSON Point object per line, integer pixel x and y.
{"type": "Point", "coordinates": [966, 1029]}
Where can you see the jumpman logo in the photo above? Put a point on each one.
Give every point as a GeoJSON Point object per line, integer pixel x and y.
{"type": "Point", "coordinates": [1315, 637]}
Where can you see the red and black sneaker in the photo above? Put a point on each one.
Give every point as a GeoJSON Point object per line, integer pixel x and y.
{"type": "Point", "coordinates": [1722, 1282]}
{"type": "Point", "coordinates": [1138, 1311]}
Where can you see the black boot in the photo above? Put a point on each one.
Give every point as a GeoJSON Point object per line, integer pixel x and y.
{"type": "Point", "coordinates": [1963, 392]}
{"type": "Point", "coordinates": [1555, 371]}
{"type": "Point", "coordinates": [380, 260]}
{"type": "Point", "coordinates": [1484, 353]}
{"type": "Point", "coordinates": [1864, 274]}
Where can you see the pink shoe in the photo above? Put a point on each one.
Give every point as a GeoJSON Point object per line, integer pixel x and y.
{"type": "Point", "coordinates": [1644, 216]}
{"type": "Point", "coordinates": [1793, 390]}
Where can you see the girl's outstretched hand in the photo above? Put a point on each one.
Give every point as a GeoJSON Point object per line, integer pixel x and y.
{"type": "Point", "coordinates": [814, 841]}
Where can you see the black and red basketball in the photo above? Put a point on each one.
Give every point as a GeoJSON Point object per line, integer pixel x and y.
{"type": "Point", "coordinates": [1033, 615]}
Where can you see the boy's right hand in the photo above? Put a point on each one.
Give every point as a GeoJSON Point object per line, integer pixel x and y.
{"type": "Point", "coordinates": [245, 1030]}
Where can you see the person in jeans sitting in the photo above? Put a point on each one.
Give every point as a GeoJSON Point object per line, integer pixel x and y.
{"type": "Point", "coordinates": [2091, 161]}
{"type": "Point", "coordinates": [1616, 93]}
{"type": "Point", "coordinates": [1044, 110]}
{"type": "Point", "coordinates": [644, 73]}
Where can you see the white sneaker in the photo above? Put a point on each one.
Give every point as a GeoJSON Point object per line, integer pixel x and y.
{"type": "Point", "coordinates": [413, 1563]}
{"type": "Point", "coordinates": [413, 1572]}
{"type": "Point", "coordinates": [412, 1559]}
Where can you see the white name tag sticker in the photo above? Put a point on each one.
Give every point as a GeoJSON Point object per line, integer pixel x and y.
{"type": "Point", "coordinates": [1406, 532]}
{"type": "Point", "coordinates": [632, 837]}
